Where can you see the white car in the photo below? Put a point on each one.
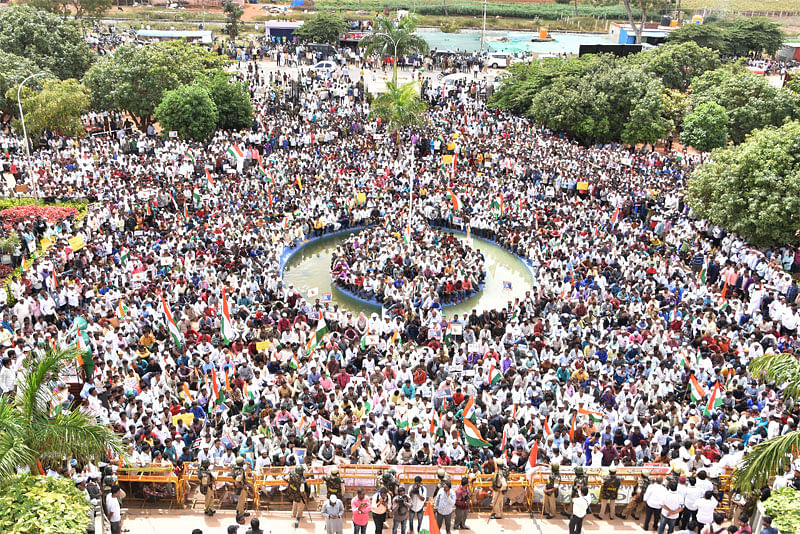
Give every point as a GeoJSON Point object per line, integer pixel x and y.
{"type": "Point", "coordinates": [451, 80]}
{"type": "Point", "coordinates": [498, 60]}
{"type": "Point", "coordinates": [324, 66]}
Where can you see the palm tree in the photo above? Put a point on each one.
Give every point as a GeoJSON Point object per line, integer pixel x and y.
{"type": "Point", "coordinates": [31, 431]}
{"type": "Point", "coordinates": [772, 456]}
{"type": "Point", "coordinates": [390, 39]}
{"type": "Point", "coordinates": [399, 107]}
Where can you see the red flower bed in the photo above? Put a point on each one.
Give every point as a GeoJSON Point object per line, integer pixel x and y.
{"type": "Point", "coordinates": [10, 217]}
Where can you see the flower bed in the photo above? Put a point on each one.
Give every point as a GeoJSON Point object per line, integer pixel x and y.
{"type": "Point", "coordinates": [10, 217]}
{"type": "Point", "coordinates": [784, 507]}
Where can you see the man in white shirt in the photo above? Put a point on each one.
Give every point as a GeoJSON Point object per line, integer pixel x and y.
{"type": "Point", "coordinates": [671, 508]}
{"type": "Point", "coordinates": [653, 500]}
{"type": "Point", "coordinates": [114, 510]}
{"type": "Point", "coordinates": [580, 507]}
{"type": "Point", "coordinates": [8, 380]}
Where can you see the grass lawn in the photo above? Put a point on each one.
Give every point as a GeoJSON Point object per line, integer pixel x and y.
{"type": "Point", "coordinates": [743, 5]}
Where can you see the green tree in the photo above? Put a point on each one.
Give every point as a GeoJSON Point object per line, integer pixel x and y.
{"type": "Point", "coordinates": [82, 10]}
{"type": "Point", "coordinates": [135, 78]}
{"type": "Point", "coordinates": [52, 43]}
{"type": "Point", "coordinates": [645, 6]}
{"type": "Point", "coordinates": [793, 85]}
{"type": "Point", "coordinates": [14, 69]}
{"type": "Point", "coordinates": [676, 105]}
{"type": "Point", "coordinates": [189, 111]}
{"type": "Point", "coordinates": [753, 36]}
{"type": "Point", "coordinates": [676, 65]}
{"type": "Point", "coordinates": [324, 27]}
{"type": "Point", "coordinates": [394, 39]}
{"type": "Point", "coordinates": [771, 457]}
{"type": "Point", "coordinates": [32, 430]}
{"type": "Point", "coordinates": [753, 189]}
{"type": "Point", "coordinates": [232, 100]}
{"type": "Point", "coordinates": [706, 127]}
{"type": "Point", "coordinates": [750, 101]}
{"type": "Point", "coordinates": [233, 13]}
{"type": "Point", "coordinates": [43, 504]}
{"type": "Point", "coordinates": [703, 35]}
{"type": "Point", "coordinates": [57, 107]}
{"type": "Point", "coordinates": [399, 107]}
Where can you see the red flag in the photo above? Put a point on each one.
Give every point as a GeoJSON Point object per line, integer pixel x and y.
{"type": "Point", "coordinates": [533, 456]}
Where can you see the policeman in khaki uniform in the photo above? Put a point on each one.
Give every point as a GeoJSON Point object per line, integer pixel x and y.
{"type": "Point", "coordinates": [207, 486]}
{"type": "Point", "coordinates": [333, 483]}
{"type": "Point", "coordinates": [608, 493]}
{"type": "Point", "coordinates": [297, 493]}
{"type": "Point", "coordinates": [551, 491]}
{"type": "Point", "coordinates": [240, 484]}
{"type": "Point", "coordinates": [499, 488]}
{"type": "Point", "coordinates": [634, 507]}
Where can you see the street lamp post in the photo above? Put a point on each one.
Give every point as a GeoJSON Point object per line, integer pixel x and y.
{"type": "Point", "coordinates": [25, 134]}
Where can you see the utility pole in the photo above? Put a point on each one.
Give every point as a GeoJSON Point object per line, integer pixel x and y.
{"type": "Point", "coordinates": [483, 33]}
{"type": "Point", "coordinates": [25, 136]}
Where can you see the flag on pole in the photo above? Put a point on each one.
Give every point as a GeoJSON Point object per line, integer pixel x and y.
{"type": "Point", "coordinates": [226, 326]}
{"type": "Point", "coordinates": [454, 199]}
{"type": "Point", "coordinates": [319, 335]}
{"type": "Point", "coordinates": [429, 524]}
{"type": "Point", "coordinates": [299, 183]}
{"type": "Point", "coordinates": [473, 435]}
{"type": "Point", "coordinates": [534, 455]}
{"type": "Point", "coordinates": [55, 277]}
{"type": "Point", "coordinates": [235, 153]}
{"type": "Point", "coordinates": [714, 400]}
{"type": "Point", "coordinates": [572, 428]}
{"type": "Point", "coordinates": [209, 181]}
{"type": "Point", "coordinates": [494, 375]}
{"type": "Point", "coordinates": [122, 309]}
{"type": "Point", "coordinates": [704, 271]}
{"type": "Point", "coordinates": [594, 416]}
{"type": "Point", "coordinates": [218, 399]}
{"type": "Point", "coordinates": [434, 423]}
{"type": "Point", "coordinates": [177, 337]}
{"type": "Point", "coordinates": [186, 393]}
{"type": "Point", "coordinates": [547, 431]}
{"type": "Point", "coordinates": [469, 409]}
{"type": "Point", "coordinates": [695, 390]}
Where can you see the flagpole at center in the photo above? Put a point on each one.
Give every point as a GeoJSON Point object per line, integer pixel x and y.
{"type": "Point", "coordinates": [411, 185]}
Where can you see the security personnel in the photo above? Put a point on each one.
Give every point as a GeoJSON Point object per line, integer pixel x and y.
{"type": "Point", "coordinates": [240, 488]}
{"type": "Point", "coordinates": [637, 500]}
{"type": "Point", "coordinates": [387, 480]}
{"type": "Point", "coordinates": [443, 477]}
{"type": "Point", "coordinates": [207, 486]}
{"type": "Point", "coordinates": [499, 488]}
{"type": "Point", "coordinates": [333, 483]}
{"type": "Point", "coordinates": [551, 491]}
{"type": "Point", "coordinates": [579, 481]}
{"type": "Point", "coordinates": [608, 493]}
{"type": "Point", "coordinates": [296, 491]}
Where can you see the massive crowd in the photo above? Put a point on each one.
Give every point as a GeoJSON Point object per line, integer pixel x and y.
{"type": "Point", "coordinates": [631, 295]}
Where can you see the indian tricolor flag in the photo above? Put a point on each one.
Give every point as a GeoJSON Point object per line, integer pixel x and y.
{"type": "Point", "coordinates": [547, 431]}
{"type": "Point", "coordinates": [429, 525]}
{"type": "Point", "coordinates": [494, 375]}
{"type": "Point", "coordinates": [209, 180]}
{"type": "Point", "coordinates": [235, 153]}
{"type": "Point", "coordinates": [434, 423]}
{"type": "Point", "coordinates": [55, 277]}
{"type": "Point", "coordinates": [226, 325]}
{"type": "Point", "coordinates": [122, 309]}
{"type": "Point", "coordinates": [695, 390]}
{"type": "Point", "coordinates": [532, 457]}
{"type": "Point", "coordinates": [407, 235]}
{"type": "Point", "coordinates": [714, 400]}
{"type": "Point", "coordinates": [454, 199]}
{"type": "Point", "coordinates": [171, 326]}
{"type": "Point", "coordinates": [319, 335]}
{"type": "Point", "coordinates": [473, 435]}
{"type": "Point", "coordinates": [469, 409]}
{"type": "Point", "coordinates": [594, 416]}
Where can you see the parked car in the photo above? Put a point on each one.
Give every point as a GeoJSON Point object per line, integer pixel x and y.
{"type": "Point", "coordinates": [324, 67]}
{"type": "Point", "coordinates": [498, 60]}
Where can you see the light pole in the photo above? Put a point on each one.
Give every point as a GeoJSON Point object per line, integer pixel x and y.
{"type": "Point", "coordinates": [483, 33]}
{"type": "Point", "coordinates": [25, 134]}
{"type": "Point", "coordinates": [395, 42]}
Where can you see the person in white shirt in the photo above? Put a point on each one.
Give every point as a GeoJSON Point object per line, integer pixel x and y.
{"type": "Point", "coordinates": [8, 380]}
{"type": "Point", "coordinates": [580, 507]}
{"type": "Point", "coordinates": [653, 499]}
{"type": "Point", "coordinates": [671, 508]}
{"type": "Point", "coordinates": [114, 510]}
{"type": "Point", "coordinates": [705, 508]}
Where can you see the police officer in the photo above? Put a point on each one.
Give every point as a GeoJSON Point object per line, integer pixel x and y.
{"type": "Point", "coordinates": [240, 489]}
{"type": "Point", "coordinates": [551, 491]}
{"type": "Point", "coordinates": [608, 493]}
{"type": "Point", "coordinates": [637, 500]}
{"type": "Point", "coordinates": [333, 483]}
{"type": "Point", "coordinates": [499, 488]}
{"type": "Point", "coordinates": [296, 491]}
{"type": "Point", "coordinates": [207, 486]}
{"type": "Point", "coordinates": [387, 480]}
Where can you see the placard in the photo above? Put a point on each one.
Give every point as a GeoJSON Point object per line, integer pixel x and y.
{"type": "Point", "coordinates": [187, 418]}
{"type": "Point", "coordinates": [262, 346]}
{"type": "Point", "coordinates": [371, 340]}
{"type": "Point", "coordinates": [474, 347]}
{"type": "Point", "coordinates": [456, 329]}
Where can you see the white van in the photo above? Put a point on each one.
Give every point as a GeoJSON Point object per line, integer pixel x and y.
{"type": "Point", "coordinates": [498, 60]}
{"type": "Point", "coordinates": [451, 80]}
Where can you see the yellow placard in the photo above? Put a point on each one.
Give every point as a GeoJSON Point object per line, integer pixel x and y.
{"type": "Point", "coordinates": [447, 159]}
{"type": "Point", "coordinates": [583, 186]}
{"type": "Point", "coordinates": [187, 418]}
{"type": "Point", "coordinates": [262, 345]}
{"type": "Point", "coordinates": [76, 243]}
{"type": "Point", "coordinates": [361, 198]}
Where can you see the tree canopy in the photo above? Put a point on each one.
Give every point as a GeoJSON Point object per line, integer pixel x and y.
{"type": "Point", "coordinates": [394, 39]}
{"type": "Point", "coordinates": [57, 108]}
{"type": "Point", "coordinates": [80, 9]}
{"type": "Point", "coordinates": [189, 111]}
{"type": "Point", "coordinates": [135, 78]}
{"type": "Point", "coordinates": [677, 64]}
{"type": "Point", "coordinates": [753, 189]}
{"type": "Point", "coordinates": [52, 43]}
{"type": "Point", "coordinates": [235, 111]}
{"type": "Point", "coordinates": [750, 101]}
{"type": "Point", "coordinates": [233, 13]}
{"type": "Point", "coordinates": [741, 37]}
{"type": "Point", "coordinates": [14, 69]}
{"type": "Point", "coordinates": [399, 107]}
{"type": "Point", "coordinates": [706, 127]}
{"type": "Point", "coordinates": [324, 27]}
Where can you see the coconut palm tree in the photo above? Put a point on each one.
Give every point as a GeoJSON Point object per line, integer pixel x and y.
{"type": "Point", "coordinates": [399, 107]}
{"type": "Point", "coordinates": [394, 39]}
{"type": "Point", "coordinates": [31, 429]}
{"type": "Point", "coordinates": [772, 456]}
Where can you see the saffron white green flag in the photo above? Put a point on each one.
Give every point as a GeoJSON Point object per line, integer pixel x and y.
{"type": "Point", "coordinates": [494, 375]}
{"type": "Point", "coordinates": [695, 390]}
{"type": "Point", "coordinates": [473, 435]}
{"type": "Point", "coordinates": [714, 400]}
{"type": "Point", "coordinates": [177, 337]}
{"type": "Point", "coordinates": [226, 326]}
{"type": "Point", "coordinates": [319, 335]}
{"type": "Point", "coordinates": [429, 525]}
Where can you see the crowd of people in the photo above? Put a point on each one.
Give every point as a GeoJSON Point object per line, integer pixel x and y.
{"type": "Point", "coordinates": [392, 265]}
{"type": "Point", "coordinates": [185, 312]}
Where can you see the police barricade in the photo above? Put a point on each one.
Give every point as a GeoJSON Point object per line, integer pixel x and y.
{"type": "Point", "coordinates": [518, 493]}
{"type": "Point", "coordinates": [151, 482]}
{"type": "Point", "coordinates": [223, 482]}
